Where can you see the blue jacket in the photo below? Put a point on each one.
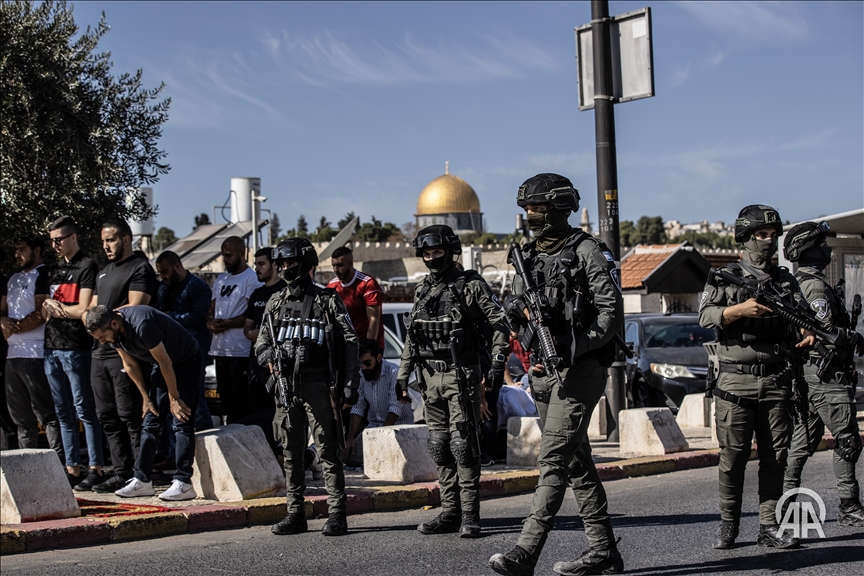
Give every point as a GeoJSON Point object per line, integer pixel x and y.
{"type": "Point", "coordinates": [189, 306]}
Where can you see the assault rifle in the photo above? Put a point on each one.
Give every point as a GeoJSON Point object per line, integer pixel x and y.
{"type": "Point", "coordinates": [768, 293]}
{"type": "Point", "coordinates": [277, 377]}
{"type": "Point", "coordinates": [467, 425]}
{"type": "Point", "coordinates": [335, 387]}
{"type": "Point", "coordinates": [851, 370]}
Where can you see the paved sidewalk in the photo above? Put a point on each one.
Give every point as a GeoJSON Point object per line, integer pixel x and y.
{"type": "Point", "coordinates": [364, 495]}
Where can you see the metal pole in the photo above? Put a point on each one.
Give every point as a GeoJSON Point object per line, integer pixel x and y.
{"type": "Point", "coordinates": [607, 184]}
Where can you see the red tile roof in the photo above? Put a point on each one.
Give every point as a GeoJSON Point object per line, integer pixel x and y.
{"type": "Point", "coordinates": [643, 260]}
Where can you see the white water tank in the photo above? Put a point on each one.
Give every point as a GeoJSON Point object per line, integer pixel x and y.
{"type": "Point", "coordinates": [241, 199]}
{"type": "Point", "coordinates": [144, 227]}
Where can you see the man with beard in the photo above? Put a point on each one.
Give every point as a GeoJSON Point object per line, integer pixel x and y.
{"type": "Point", "coordinates": [126, 281]}
{"type": "Point", "coordinates": [28, 395]}
{"type": "Point", "coordinates": [186, 299]}
{"type": "Point", "coordinates": [317, 367]}
{"type": "Point", "coordinates": [753, 390]}
{"type": "Point", "coordinates": [266, 272]}
{"type": "Point", "coordinates": [377, 393]}
{"type": "Point", "coordinates": [831, 399]}
{"type": "Point", "coordinates": [361, 294]}
{"type": "Point", "coordinates": [455, 321]}
{"type": "Point", "coordinates": [230, 348]}
{"type": "Point", "coordinates": [567, 264]}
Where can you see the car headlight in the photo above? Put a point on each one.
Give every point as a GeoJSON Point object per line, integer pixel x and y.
{"type": "Point", "coordinates": [671, 371]}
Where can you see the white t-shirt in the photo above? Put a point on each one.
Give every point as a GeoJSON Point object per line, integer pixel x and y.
{"type": "Point", "coordinates": [231, 293]}
{"type": "Point", "coordinates": [21, 291]}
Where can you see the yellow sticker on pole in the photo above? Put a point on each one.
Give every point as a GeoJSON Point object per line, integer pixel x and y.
{"type": "Point", "coordinates": [612, 195]}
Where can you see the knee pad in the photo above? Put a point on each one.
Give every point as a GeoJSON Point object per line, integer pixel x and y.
{"type": "Point", "coordinates": [439, 447]}
{"type": "Point", "coordinates": [849, 447]}
{"type": "Point", "coordinates": [461, 452]}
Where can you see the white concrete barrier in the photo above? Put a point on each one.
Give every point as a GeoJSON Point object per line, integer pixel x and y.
{"type": "Point", "coordinates": [650, 431]}
{"type": "Point", "coordinates": [523, 440]}
{"type": "Point", "coordinates": [33, 486]}
{"type": "Point", "coordinates": [398, 454]}
{"type": "Point", "coordinates": [693, 412]}
{"type": "Point", "coordinates": [235, 463]}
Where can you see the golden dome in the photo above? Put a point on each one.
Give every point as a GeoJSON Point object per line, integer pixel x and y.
{"type": "Point", "coordinates": [447, 194]}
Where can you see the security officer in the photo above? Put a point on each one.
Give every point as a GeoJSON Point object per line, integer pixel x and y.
{"type": "Point", "coordinates": [831, 400]}
{"type": "Point", "coordinates": [753, 388]}
{"type": "Point", "coordinates": [318, 349]}
{"type": "Point", "coordinates": [576, 274]}
{"type": "Point", "coordinates": [455, 321]}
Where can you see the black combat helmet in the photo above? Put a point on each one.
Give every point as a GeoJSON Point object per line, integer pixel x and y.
{"type": "Point", "coordinates": [437, 236]}
{"type": "Point", "coordinates": [548, 189]}
{"type": "Point", "coordinates": [296, 249]}
{"type": "Point", "coordinates": [754, 217]}
{"type": "Point", "coordinates": [802, 237]}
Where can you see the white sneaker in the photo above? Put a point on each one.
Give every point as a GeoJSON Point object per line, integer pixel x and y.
{"type": "Point", "coordinates": [179, 490]}
{"type": "Point", "coordinates": [135, 488]}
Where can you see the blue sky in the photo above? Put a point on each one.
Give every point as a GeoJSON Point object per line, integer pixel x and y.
{"type": "Point", "coordinates": [342, 107]}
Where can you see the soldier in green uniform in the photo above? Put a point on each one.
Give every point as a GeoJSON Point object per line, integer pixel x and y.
{"type": "Point", "coordinates": [753, 388]}
{"type": "Point", "coordinates": [831, 399]}
{"type": "Point", "coordinates": [577, 275]}
{"type": "Point", "coordinates": [455, 321]}
{"type": "Point", "coordinates": [306, 338]}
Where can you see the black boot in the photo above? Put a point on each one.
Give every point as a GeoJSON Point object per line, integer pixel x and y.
{"type": "Point", "coordinates": [517, 562]}
{"type": "Point", "coordinates": [293, 523]}
{"type": "Point", "coordinates": [594, 561]}
{"type": "Point", "coordinates": [470, 525]}
{"type": "Point", "coordinates": [726, 534]}
{"type": "Point", "coordinates": [447, 521]}
{"type": "Point", "coordinates": [851, 513]}
{"type": "Point", "coordinates": [770, 536]}
{"type": "Point", "coordinates": [336, 525]}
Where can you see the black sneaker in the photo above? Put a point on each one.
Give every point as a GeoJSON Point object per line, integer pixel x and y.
{"type": "Point", "coordinates": [593, 561]}
{"type": "Point", "coordinates": [92, 479]}
{"type": "Point", "coordinates": [470, 527]}
{"type": "Point", "coordinates": [726, 534]}
{"type": "Point", "coordinates": [336, 525]}
{"type": "Point", "coordinates": [74, 480]}
{"type": "Point", "coordinates": [517, 562]}
{"type": "Point", "coordinates": [446, 522]}
{"type": "Point", "coordinates": [851, 513]}
{"type": "Point", "coordinates": [110, 485]}
{"type": "Point", "coordinates": [293, 523]}
{"type": "Point", "coordinates": [770, 536]}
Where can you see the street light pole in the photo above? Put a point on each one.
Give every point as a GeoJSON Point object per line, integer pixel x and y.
{"type": "Point", "coordinates": [607, 184]}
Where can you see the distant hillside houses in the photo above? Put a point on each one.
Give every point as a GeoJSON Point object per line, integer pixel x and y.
{"type": "Point", "coordinates": [674, 228]}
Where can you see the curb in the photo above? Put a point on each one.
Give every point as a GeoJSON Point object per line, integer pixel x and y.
{"type": "Point", "coordinates": [51, 534]}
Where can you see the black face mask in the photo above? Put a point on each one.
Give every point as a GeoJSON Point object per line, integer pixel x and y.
{"type": "Point", "coordinates": [758, 253]}
{"type": "Point", "coordinates": [551, 229]}
{"type": "Point", "coordinates": [816, 257]}
{"type": "Point", "coordinates": [290, 274]}
{"type": "Point", "coordinates": [438, 266]}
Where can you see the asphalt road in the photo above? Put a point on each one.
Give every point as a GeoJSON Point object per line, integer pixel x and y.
{"type": "Point", "coordinates": [666, 524]}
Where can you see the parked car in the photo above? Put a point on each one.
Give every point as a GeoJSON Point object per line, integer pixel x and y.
{"type": "Point", "coordinates": [393, 314]}
{"type": "Point", "coordinates": [668, 361]}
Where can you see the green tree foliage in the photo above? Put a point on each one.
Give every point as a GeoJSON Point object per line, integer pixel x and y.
{"type": "Point", "coordinates": [74, 139]}
{"type": "Point", "coordinates": [708, 240]}
{"type": "Point", "coordinates": [164, 237]}
{"type": "Point", "coordinates": [377, 231]}
{"type": "Point", "coordinates": [647, 230]}
{"type": "Point", "coordinates": [324, 232]}
{"type": "Point", "coordinates": [478, 238]}
{"type": "Point", "coordinates": [275, 226]}
{"type": "Point", "coordinates": [202, 220]}
{"type": "Point", "coordinates": [345, 220]}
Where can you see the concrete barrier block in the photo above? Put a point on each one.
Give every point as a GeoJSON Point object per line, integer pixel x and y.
{"type": "Point", "coordinates": [523, 440]}
{"type": "Point", "coordinates": [398, 454]}
{"type": "Point", "coordinates": [650, 432]}
{"type": "Point", "coordinates": [235, 463]}
{"type": "Point", "coordinates": [694, 412]}
{"type": "Point", "coordinates": [33, 486]}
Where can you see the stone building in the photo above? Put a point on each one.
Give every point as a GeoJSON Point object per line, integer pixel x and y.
{"type": "Point", "coordinates": [449, 200]}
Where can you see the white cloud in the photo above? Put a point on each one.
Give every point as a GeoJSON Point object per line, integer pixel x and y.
{"type": "Point", "coordinates": [715, 59]}
{"type": "Point", "coordinates": [679, 76]}
{"type": "Point", "coordinates": [754, 20]}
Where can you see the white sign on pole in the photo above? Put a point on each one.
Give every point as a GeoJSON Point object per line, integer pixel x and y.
{"type": "Point", "coordinates": [632, 58]}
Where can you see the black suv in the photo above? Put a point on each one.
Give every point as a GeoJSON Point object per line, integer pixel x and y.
{"type": "Point", "coordinates": [669, 360]}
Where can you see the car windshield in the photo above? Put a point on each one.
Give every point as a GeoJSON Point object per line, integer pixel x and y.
{"type": "Point", "coordinates": [679, 335]}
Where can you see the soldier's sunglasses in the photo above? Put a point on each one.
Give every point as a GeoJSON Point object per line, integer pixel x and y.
{"type": "Point", "coordinates": [429, 240]}
{"type": "Point", "coordinates": [285, 252]}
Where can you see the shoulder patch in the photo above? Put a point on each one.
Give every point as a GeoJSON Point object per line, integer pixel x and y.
{"type": "Point", "coordinates": [820, 306]}
{"type": "Point", "coordinates": [608, 256]}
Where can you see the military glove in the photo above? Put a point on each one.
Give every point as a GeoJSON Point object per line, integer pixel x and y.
{"type": "Point", "coordinates": [495, 377]}
{"type": "Point", "coordinates": [349, 396]}
{"type": "Point", "coordinates": [265, 358]}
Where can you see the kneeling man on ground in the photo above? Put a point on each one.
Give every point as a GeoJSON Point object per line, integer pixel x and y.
{"type": "Point", "coordinates": [144, 333]}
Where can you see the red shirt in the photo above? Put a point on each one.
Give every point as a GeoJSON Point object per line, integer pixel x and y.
{"type": "Point", "coordinates": [523, 356]}
{"type": "Point", "coordinates": [362, 291]}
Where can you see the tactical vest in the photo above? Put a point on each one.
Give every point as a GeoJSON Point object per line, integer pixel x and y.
{"type": "Point", "coordinates": [571, 308]}
{"type": "Point", "coordinates": [767, 328]}
{"type": "Point", "coordinates": [836, 309]}
{"type": "Point", "coordinates": [439, 309]}
{"type": "Point", "coordinates": [301, 329]}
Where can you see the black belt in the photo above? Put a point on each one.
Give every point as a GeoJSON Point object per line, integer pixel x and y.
{"type": "Point", "coordinates": [754, 369]}
{"type": "Point", "coordinates": [434, 365]}
{"type": "Point", "coordinates": [735, 399]}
